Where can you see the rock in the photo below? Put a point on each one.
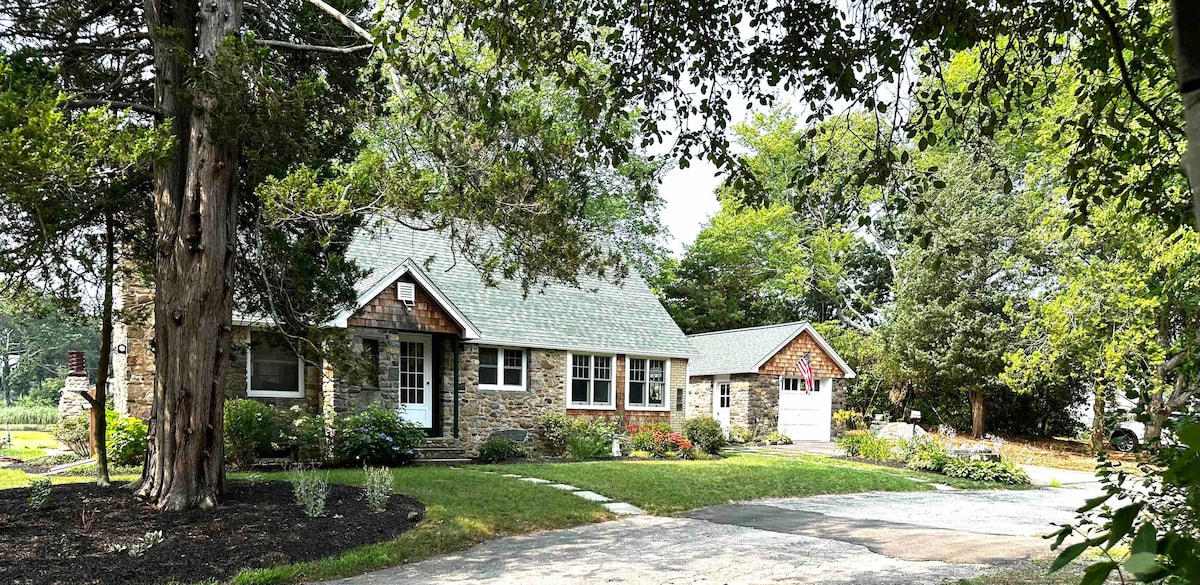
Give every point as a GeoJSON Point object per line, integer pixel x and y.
{"type": "Point", "coordinates": [414, 516]}
{"type": "Point", "coordinates": [897, 430]}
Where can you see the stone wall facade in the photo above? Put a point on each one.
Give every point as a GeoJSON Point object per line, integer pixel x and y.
{"type": "Point", "coordinates": [70, 399]}
{"type": "Point", "coordinates": [841, 389]}
{"type": "Point", "coordinates": [133, 347]}
{"type": "Point", "coordinates": [483, 413]}
{"type": "Point", "coordinates": [699, 401]}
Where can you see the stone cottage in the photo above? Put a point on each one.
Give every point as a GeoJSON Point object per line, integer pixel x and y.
{"type": "Point", "coordinates": [460, 359]}
{"type": "Point", "coordinates": [750, 378]}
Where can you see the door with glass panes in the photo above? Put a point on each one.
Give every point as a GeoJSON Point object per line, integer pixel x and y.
{"type": "Point", "coordinates": [416, 379]}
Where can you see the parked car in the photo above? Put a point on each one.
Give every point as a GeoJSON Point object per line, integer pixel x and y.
{"type": "Point", "coordinates": [1130, 434]}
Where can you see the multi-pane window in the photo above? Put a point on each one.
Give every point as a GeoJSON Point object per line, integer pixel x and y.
{"type": "Point", "coordinates": [274, 367]}
{"type": "Point", "coordinates": [647, 383]}
{"type": "Point", "coordinates": [724, 395]}
{"type": "Point", "coordinates": [501, 368]}
{"type": "Point", "coordinates": [679, 399]}
{"type": "Point", "coordinates": [412, 372]}
{"type": "Point", "coordinates": [591, 380]}
{"type": "Point", "coordinates": [370, 353]}
{"type": "Point", "coordinates": [795, 384]}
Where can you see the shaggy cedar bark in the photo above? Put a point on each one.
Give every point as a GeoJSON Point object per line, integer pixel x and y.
{"type": "Point", "coordinates": [196, 217]}
{"type": "Point", "coordinates": [99, 422]}
{"type": "Point", "coordinates": [978, 426]}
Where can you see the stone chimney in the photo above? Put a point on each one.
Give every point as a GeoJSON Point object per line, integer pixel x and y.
{"type": "Point", "coordinates": [71, 401]}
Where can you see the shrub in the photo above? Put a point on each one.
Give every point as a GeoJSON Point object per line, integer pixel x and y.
{"type": "Point", "coordinates": [778, 437]}
{"type": "Point", "coordinates": [39, 493]}
{"type": "Point", "coordinates": [705, 433]}
{"type": "Point", "coordinates": [301, 435]}
{"type": "Point", "coordinates": [849, 420]}
{"type": "Point", "coordinates": [1000, 472]}
{"type": "Point", "coordinates": [251, 428]}
{"type": "Point", "coordinates": [375, 436]}
{"type": "Point", "coordinates": [866, 445]}
{"type": "Point", "coordinates": [640, 454]}
{"type": "Point", "coordinates": [377, 488]}
{"type": "Point", "coordinates": [925, 452]}
{"type": "Point", "coordinates": [31, 414]}
{"type": "Point", "coordinates": [552, 431]}
{"type": "Point", "coordinates": [125, 439]}
{"type": "Point", "coordinates": [582, 446]}
{"type": "Point", "coordinates": [499, 449]}
{"type": "Point", "coordinates": [145, 543]}
{"type": "Point", "coordinates": [311, 489]}
{"type": "Point", "coordinates": [737, 434]}
{"type": "Point", "coordinates": [74, 433]}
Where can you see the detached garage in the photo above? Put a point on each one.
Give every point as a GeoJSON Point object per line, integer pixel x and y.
{"type": "Point", "coordinates": [758, 378]}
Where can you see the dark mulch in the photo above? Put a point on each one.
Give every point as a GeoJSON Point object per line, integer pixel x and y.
{"type": "Point", "coordinates": [257, 525]}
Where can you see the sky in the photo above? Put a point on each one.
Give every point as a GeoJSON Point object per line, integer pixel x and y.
{"type": "Point", "coordinates": [690, 200]}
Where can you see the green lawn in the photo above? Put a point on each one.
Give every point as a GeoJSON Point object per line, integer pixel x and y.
{"type": "Point", "coordinates": [667, 487]}
{"type": "Point", "coordinates": [27, 444]}
{"type": "Point", "coordinates": [463, 508]}
{"type": "Point", "coordinates": [1037, 573]}
{"type": "Point", "coordinates": [466, 506]}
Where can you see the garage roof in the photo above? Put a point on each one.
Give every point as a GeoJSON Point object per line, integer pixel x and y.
{"type": "Point", "coordinates": [744, 351]}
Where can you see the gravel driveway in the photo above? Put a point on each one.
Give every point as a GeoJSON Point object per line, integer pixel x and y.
{"type": "Point", "coordinates": [867, 539]}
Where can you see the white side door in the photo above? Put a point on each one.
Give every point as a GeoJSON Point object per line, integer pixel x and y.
{"type": "Point", "coordinates": [722, 399]}
{"type": "Point", "coordinates": [805, 416]}
{"type": "Point", "coordinates": [416, 379]}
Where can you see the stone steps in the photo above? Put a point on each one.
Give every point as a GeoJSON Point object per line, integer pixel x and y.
{"type": "Point", "coordinates": [441, 455]}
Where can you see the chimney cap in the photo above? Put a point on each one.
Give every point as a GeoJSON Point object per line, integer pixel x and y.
{"type": "Point", "coordinates": [76, 364]}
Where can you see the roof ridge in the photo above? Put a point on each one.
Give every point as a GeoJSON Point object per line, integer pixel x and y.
{"type": "Point", "coordinates": [798, 324]}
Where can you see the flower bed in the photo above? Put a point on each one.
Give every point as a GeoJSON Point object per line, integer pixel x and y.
{"type": "Point", "coordinates": [931, 453]}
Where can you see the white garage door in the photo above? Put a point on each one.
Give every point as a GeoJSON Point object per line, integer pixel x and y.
{"type": "Point", "coordinates": [805, 416]}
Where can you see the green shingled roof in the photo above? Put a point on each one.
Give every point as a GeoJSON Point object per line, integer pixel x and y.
{"type": "Point", "coordinates": [739, 351]}
{"type": "Point", "coordinates": [625, 318]}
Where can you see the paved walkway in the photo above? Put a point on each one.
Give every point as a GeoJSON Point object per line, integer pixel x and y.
{"type": "Point", "coordinates": [869, 539]}
{"type": "Point", "coordinates": [618, 508]}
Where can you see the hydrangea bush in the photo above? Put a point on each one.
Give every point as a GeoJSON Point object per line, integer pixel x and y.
{"type": "Point", "coordinates": [375, 436]}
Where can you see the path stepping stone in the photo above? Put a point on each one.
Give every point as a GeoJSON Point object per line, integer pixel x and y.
{"type": "Point", "coordinates": [592, 496]}
{"type": "Point", "coordinates": [511, 475]}
{"type": "Point", "coordinates": [623, 509]}
{"type": "Point", "coordinates": [564, 487]}
{"type": "Point", "coordinates": [534, 480]}
{"type": "Point", "coordinates": [941, 487]}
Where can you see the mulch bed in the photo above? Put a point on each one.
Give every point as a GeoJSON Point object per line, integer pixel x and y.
{"type": "Point", "coordinates": [257, 525]}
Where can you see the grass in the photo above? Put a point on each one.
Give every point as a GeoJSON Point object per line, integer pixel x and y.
{"type": "Point", "coordinates": [34, 415]}
{"type": "Point", "coordinates": [1070, 454]}
{"type": "Point", "coordinates": [667, 487]}
{"type": "Point", "coordinates": [15, 478]}
{"type": "Point", "coordinates": [463, 508]}
{"type": "Point", "coordinates": [28, 444]}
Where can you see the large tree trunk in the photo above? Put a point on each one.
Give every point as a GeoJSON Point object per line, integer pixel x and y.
{"type": "Point", "coordinates": [1099, 429]}
{"type": "Point", "coordinates": [978, 412]}
{"type": "Point", "coordinates": [1187, 64]}
{"type": "Point", "coordinates": [99, 423]}
{"type": "Point", "coordinates": [196, 216]}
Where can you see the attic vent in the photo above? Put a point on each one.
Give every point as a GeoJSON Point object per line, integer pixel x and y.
{"type": "Point", "coordinates": [406, 292]}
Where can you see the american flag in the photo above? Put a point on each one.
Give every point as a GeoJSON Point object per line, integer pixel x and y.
{"type": "Point", "coordinates": [805, 367]}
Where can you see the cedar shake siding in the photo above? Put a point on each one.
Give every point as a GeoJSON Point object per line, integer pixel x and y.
{"type": "Point", "coordinates": [386, 311]}
{"type": "Point", "coordinates": [784, 362]}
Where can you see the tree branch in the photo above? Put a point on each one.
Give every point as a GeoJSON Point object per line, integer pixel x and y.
{"type": "Point", "coordinates": [317, 48]}
{"type": "Point", "coordinates": [115, 105]}
{"type": "Point", "coordinates": [342, 18]}
{"type": "Point", "coordinates": [1118, 45]}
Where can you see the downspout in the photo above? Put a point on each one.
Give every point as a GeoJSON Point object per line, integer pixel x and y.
{"type": "Point", "coordinates": [456, 345]}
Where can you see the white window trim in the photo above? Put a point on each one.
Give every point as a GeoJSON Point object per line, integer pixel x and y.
{"type": "Point", "coordinates": [500, 386]}
{"type": "Point", "coordinates": [252, 393]}
{"type": "Point", "coordinates": [666, 407]}
{"type": "Point", "coordinates": [612, 396]}
{"type": "Point", "coordinates": [800, 383]}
